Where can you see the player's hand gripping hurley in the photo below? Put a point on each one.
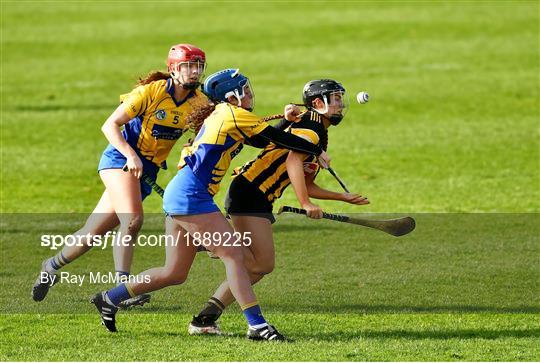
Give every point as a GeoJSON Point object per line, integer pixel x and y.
{"type": "Point", "coordinates": [145, 178]}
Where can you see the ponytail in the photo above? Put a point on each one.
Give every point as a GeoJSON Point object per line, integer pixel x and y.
{"type": "Point", "coordinates": [196, 118]}
{"type": "Point", "coordinates": [153, 76]}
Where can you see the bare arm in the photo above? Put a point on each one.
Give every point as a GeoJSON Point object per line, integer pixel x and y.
{"type": "Point", "coordinates": [111, 129]}
{"type": "Point", "coordinates": [295, 169]}
{"type": "Point", "coordinates": [315, 191]}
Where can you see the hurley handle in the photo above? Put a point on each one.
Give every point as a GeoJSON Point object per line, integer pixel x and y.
{"type": "Point", "coordinates": [145, 178]}
{"type": "Point", "coordinates": [331, 216]}
{"type": "Point", "coordinates": [273, 117]}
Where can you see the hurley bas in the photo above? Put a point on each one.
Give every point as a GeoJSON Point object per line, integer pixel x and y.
{"type": "Point", "coordinates": [65, 277]}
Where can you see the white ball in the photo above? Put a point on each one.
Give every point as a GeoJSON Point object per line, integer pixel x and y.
{"type": "Point", "coordinates": [362, 97]}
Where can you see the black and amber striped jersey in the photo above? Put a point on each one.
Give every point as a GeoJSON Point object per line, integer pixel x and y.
{"type": "Point", "coordinates": [268, 171]}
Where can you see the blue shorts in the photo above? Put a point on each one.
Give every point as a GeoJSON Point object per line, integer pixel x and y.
{"type": "Point", "coordinates": [113, 159]}
{"type": "Point", "coordinates": [186, 195]}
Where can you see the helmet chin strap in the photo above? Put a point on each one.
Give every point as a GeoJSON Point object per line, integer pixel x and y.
{"type": "Point", "coordinates": [239, 98]}
{"type": "Point", "coordinates": [237, 95]}
{"type": "Point", "coordinates": [323, 112]}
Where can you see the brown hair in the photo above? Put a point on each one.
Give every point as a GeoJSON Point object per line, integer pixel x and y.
{"type": "Point", "coordinates": [153, 76]}
{"type": "Point", "coordinates": [196, 118]}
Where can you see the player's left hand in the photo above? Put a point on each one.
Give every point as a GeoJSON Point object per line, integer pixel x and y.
{"type": "Point", "coordinates": [292, 113]}
{"type": "Point", "coordinates": [324, 160]}
{"type": "Point", "coordinates": [313, 210]}
{"type": "Point", "coordinates": [354, 198]}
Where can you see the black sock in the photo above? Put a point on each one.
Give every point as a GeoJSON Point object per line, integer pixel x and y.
{"type": "Point", "coordinates": [212, 310]}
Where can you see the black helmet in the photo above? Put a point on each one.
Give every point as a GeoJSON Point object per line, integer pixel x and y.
{"type": "Point", "coordinates": [319, 88]}
{"type": "Point", "coordinates": [322, 88]}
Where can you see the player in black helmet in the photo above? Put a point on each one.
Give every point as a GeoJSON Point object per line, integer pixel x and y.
{"type": "Point", "coordinates": [331, 93]}
{"type": "Point", "coordinates": [261, 181]}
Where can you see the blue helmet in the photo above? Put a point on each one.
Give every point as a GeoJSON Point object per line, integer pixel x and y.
{"type": "Point", "coordinates": [223, 84]}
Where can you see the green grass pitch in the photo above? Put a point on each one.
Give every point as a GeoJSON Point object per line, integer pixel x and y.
{"type": "Point", "coordinates": [450, 135]}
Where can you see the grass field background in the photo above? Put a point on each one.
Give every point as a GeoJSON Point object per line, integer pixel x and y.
{"type": "Point", "coordinates": [452, 126]}
{"type": "Point", "coordinates": [461, 287]}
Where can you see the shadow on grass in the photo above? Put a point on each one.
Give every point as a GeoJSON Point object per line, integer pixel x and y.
{"type": "Point", "coordinates": [182, 333]}
{"type": "Point", "coordinates": [420, 335]}
{"type": "Point", "coordinates": [356, 309]}
{"type": "Point", "coordinates": [342, 336]}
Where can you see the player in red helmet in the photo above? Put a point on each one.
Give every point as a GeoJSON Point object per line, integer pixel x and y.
{"type": "Point", "coordinates": [186, 63]}
{"type": "Point", "coordinates": [153, 117]}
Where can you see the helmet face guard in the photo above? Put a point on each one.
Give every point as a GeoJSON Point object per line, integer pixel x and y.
{"type": "Point", "coordinates": [336, 105]}
{"type": "Point", "coordinates": [186, 64]}
{"type": "Point", "coordinates": [188, 74]}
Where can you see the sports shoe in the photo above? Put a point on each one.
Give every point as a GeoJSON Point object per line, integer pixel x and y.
{"type": "Point", "coordinates": [138, 300]}
{"type": "Point", "coordinates": [43, 283]}
{"type": "Point", "coordinates": [203, 326]}
{"type": "Point", "coordinates": [265, 333]}
{"type": "Point", "coordinates": [106, 311]}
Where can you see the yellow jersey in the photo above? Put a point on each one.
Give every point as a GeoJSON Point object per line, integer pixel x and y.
{"type": "Point", "coordinates": [157, 119]}
{"type": "Point", "coordinates": [220, 139]}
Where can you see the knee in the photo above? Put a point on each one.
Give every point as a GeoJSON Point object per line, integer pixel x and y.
{"type": "Point", "coordinates": [132, 221]}
{"type": "Point", "coordinates": [262, 267]}
{"type": "Point", "coordinates": [233, 254]}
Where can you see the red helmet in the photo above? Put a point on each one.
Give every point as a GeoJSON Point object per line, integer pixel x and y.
{"type": "Point", "coordinates": [193, 62]}
{"type": "Point", "coordinates": [185, 53]}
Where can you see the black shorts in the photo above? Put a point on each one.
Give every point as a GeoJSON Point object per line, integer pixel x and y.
{"type": "Point", "coordinates": [245, 199]}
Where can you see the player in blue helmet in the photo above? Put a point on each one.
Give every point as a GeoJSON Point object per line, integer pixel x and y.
{"type": "Point", "coordinates": [190, 208]}
{"type": "Point", "coordinates": [227, 83]}
{"type": "Point", "coordinates": [261, 181]}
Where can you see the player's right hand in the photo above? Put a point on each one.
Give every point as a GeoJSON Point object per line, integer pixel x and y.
{"type": "Point", "coordinates": [324, 160]}
{"type": "Point", "coordinates": [292, 113]}
{"type": "Point", "coordinates": [134, 166]}
{"type": "Point", "coordinates": [313, 210]}
{"type": "Point", "coordinates": [354, 198]}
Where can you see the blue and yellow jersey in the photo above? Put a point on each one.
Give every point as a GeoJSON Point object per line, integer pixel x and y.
{"type": "Point", "coordinates": [218, 142]}
{"type": "Point", "coordinates": [157, 119]}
